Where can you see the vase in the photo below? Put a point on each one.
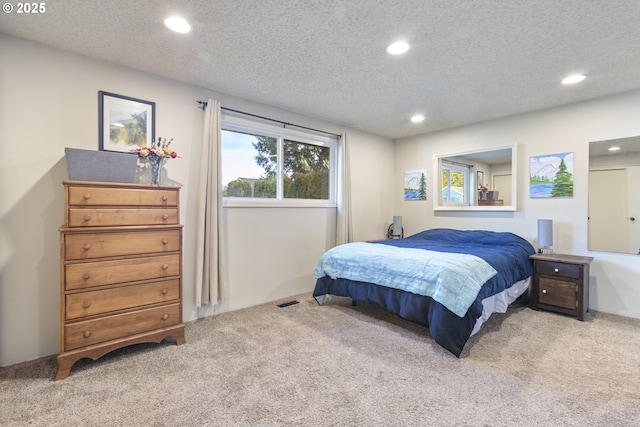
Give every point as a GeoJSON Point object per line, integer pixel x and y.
{"type": "Point", "coordinates": [156, 163]}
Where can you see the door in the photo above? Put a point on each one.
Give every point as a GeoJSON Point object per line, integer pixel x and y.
{"type": "Point", "coordinates": [502, 183]}
{"type": "Point", "coordinates": [633, 177]}
{"type": "Point", "coordinates": [608, 217]}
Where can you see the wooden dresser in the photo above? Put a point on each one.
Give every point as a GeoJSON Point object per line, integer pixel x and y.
{"type": "Point", "coordinates": [120, 269]}
{"type": "Point", "coordinates": [490, 202]}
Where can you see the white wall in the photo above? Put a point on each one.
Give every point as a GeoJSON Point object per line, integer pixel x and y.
{"type": "Point", "coordinates": [615, 278]}
{"type": "Point", "coordinates": [49, 100]}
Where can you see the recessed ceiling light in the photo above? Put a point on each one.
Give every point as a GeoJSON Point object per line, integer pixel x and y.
{"type": "Point", "coordinates": [398, 48]}
{"type": "Point", "coordinates": [417, 118]}
{"type": "Point", "coordinates": [614, 148]}
{"type": "Point", "coordinates": [177, 24]}
{"type": "Point", "coordinates": [574, 78]}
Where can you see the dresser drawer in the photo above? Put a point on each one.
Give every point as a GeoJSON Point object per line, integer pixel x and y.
{"type": "Point", "coordinates": [104, 301]}
{"type": "Point", "coordinates": [98, 273]}
{"type": "Point", "coordinates": [86, 217]}
{"type": "Point", "coordinates": [100, 245]}
{"type": "Point", "coordinates": [558, 269]}
{"type": "Point", "coordinates": [89, 332]}
{"type": "Point", "coordinates": [99, 196]}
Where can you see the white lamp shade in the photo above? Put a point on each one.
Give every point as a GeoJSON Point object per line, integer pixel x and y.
{"type": "Point", "coordinates": [545, 233]}
{"type": "Point", "coordinates": [397, 226]}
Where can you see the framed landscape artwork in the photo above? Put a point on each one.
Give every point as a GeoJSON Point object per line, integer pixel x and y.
{"type": "Point", "coordinates": [415, 184]}
{"type": "Point", "coordinates": [125, 123]}
{"type": "Point", "coordinates": [551, 175]}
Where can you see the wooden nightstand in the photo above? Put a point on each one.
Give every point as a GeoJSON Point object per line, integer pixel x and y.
{"type": "Point", "coordinates": [561, 284]}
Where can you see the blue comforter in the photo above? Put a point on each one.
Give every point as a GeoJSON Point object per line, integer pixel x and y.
{"type": "Point", "coordinates": [419, 271]}
{"type": "Point", "coordinates": [507, 253]}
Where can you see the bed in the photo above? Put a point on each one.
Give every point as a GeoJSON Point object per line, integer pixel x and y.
{"type": "Point", "coordinates": [449, 280]}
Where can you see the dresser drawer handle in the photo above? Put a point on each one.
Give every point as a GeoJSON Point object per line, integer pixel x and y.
{"type": "Point", "coordinates": [165, 266]}
{"type": "Point", "coordinates": [87, 218]}
{"type": "Point", "coordinates": [544, 291]}
{"type": "Point", "coordinates": [556, 270]}
{"type": "Point", "coordinates": [165, 291]}
{"type": "Point", "coordinates": [165, 198]}
{"type": "Point", "coordinates": [86, 196]}
{"type": "Point", "coordinates": [165, 217]}
{"type": "Point", "coordinates": [87, 246]}
{"type": "Point", "coordinates": [86, 304]}
{"type": "Point", "coordinates": [165, 241]}
{"type": "Point", "coordinates": [165, 316]}
{"type": "Point", "coordinates": [86, 276]}
{"type": "Point", "coordinates": [87, 334]}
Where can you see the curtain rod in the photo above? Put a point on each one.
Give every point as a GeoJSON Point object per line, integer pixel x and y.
{"type": "Point", "coordinates": [203, 105]}
{"type": "Point", "coordinates": [452, 162]}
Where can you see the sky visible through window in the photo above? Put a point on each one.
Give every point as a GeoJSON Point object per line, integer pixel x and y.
{"type": "Point", "coordinates": [238, 157]}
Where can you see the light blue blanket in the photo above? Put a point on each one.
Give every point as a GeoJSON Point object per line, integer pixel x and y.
{"type": "Point", "coordinates": [451, 279]}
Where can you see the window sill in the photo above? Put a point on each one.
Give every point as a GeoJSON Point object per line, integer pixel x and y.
{"type": "Point", "coordinates": [276, 204]}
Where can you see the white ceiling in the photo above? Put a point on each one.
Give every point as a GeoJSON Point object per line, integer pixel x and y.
{"type": "Point", "coordinates": [469, 61]}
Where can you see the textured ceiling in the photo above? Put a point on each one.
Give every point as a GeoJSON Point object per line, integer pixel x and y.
{"type": "Point", "coordinates": [469, 60]}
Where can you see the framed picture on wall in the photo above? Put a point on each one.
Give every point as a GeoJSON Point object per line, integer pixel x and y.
{"type": "Point", "coordinates": [551, 175]}
{"type": "Point", "coordinates": [415, 184]}
{"type": "Point", "coordinates": [480, 179]}
{"type": "Point", "coordinates": [125, 123]}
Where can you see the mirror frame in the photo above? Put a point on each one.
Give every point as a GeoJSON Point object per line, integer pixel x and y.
{"type": "Point", "coordinates": [437, 179]}
{"type": "Point", "coordinates": [628, 159]}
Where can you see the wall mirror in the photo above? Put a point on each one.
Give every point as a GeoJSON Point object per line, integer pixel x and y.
{"type": "Point", "coordinates": [614, 203]}
{"type": "Point", "coordinates": [476, 180]}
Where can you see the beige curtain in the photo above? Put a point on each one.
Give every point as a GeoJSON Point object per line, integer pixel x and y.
{"type": "Point", "coordinates": [210, 250]}
{"type": "Point", "coordinates": [344, 231]}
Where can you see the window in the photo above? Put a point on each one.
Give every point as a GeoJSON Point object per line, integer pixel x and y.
{"type": "Point", "coordinates": [455, 183]}
{"type": "Point", "coordinates": [267, 164]}
{"type": "Point", "coordinates": [248, 170]}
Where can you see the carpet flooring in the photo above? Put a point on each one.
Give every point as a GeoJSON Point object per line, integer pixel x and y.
{"type": "Point", "coordinates": [337, 365]}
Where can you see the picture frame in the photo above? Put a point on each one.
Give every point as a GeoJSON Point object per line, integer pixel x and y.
{"type": "Point", "coordinates": [125, 123]}
{"type": "Point", "coordinates": [551, 176]}
{"type": "Point", "coordinates": [480, 179]}
{"type": "Point", "coordinates": [415, 184]}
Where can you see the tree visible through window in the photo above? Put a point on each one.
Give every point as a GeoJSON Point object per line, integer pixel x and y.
{"type": "Point", "coordinates": [454, 189]}
{"type": "Point", "coordinates": [261, 166]}
{"type": "Point", "coordinates": [240, 160]}
{"type": "Point", "coordinates": [306, 171]}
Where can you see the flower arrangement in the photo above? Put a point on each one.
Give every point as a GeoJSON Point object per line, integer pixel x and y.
{"type": "Point", "coordinates": [158, 148]}
{"type": "Point", "coordinates": [484, 187]}
{"type": "Point", "coordinates": [156, 154]}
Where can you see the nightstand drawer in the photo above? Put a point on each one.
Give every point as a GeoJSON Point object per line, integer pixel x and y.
{"type": "Point", "coordinates": [557, 292]}
{"type": "Point", "coordinates": [558, 269]}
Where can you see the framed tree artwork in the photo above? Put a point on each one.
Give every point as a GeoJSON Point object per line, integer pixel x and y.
{"type": "Point", "coordinates": [551, 175]}
{"type": "Point", "coordinates": [125, 123]}
{"type": "Point", "coordinates": [415, 184]}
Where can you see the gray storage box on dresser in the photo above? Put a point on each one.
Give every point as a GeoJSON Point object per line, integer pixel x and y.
{"type": "Point", "coordinates": [120, 269]}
